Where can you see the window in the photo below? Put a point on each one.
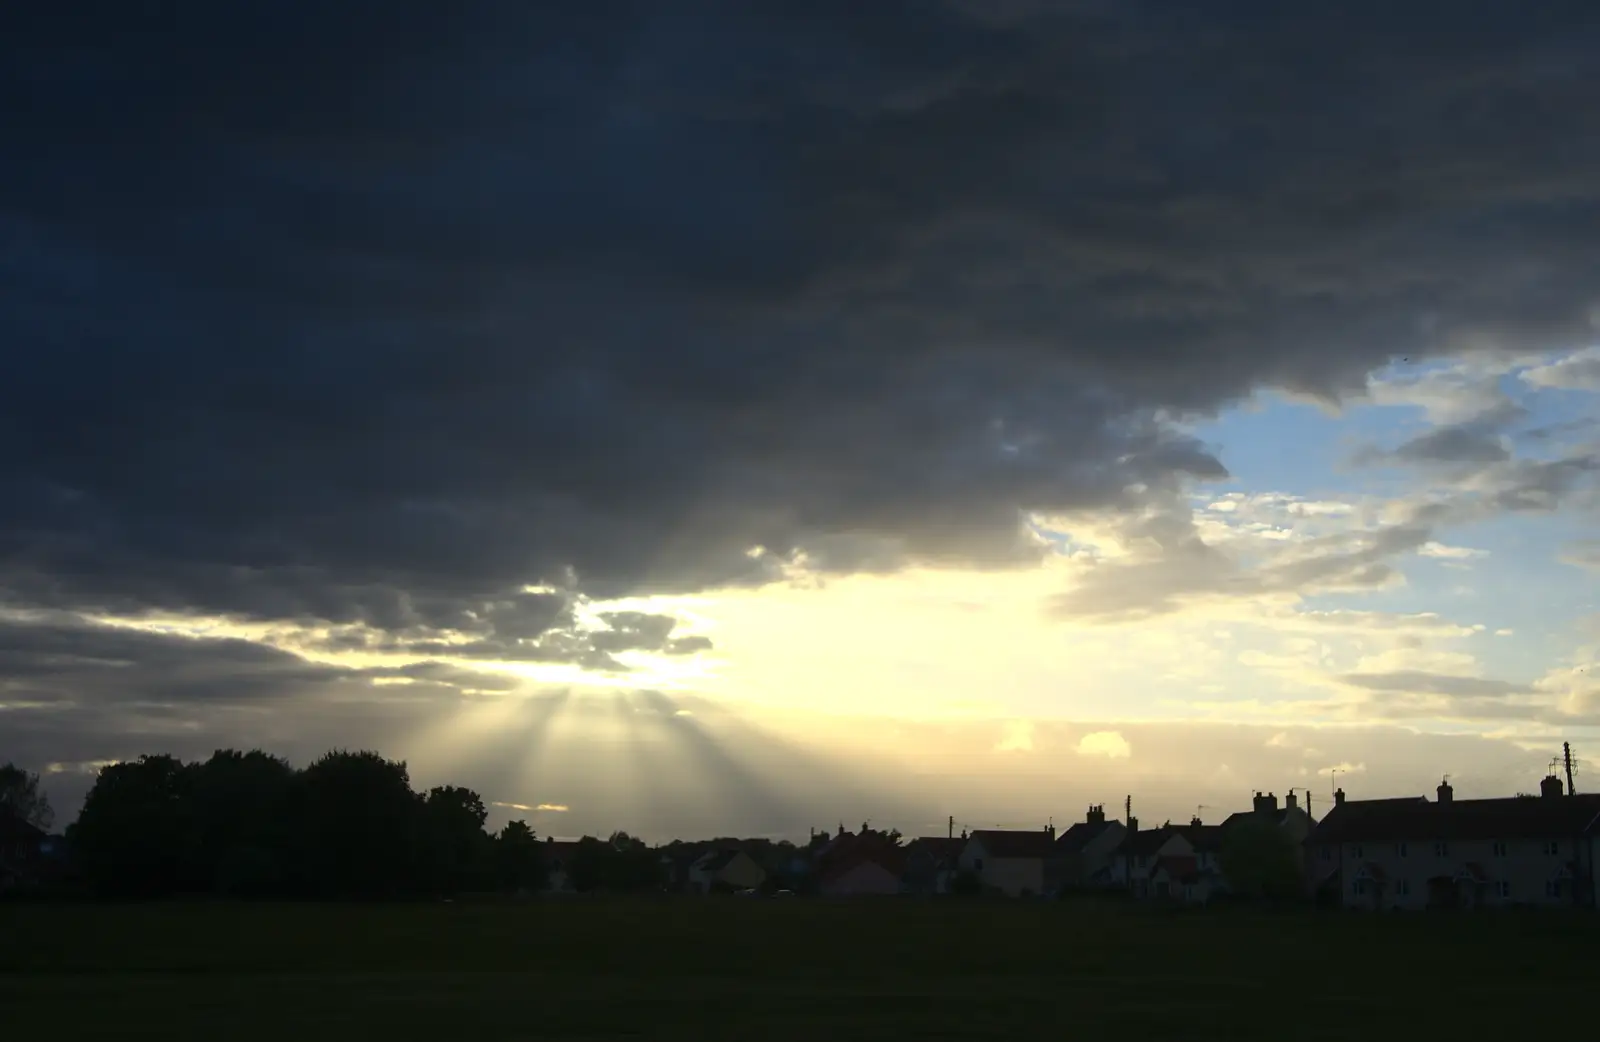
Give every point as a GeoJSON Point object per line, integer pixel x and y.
{"type": "Point", "coordinates": [1355, 851]}
{"type": "Point", "coordinates": [1327, 853]}
{"type": "Point", "coordinates": [1502, 889]}
{"type": "Point", "coordinates": [1399, 850]}
{"type": "Point", "coordinates": [1499, 848]}
{"type": "Point", "coordinates": [1553, 848]}
{"type": "Point", "coordinates": [1441, 850]}
{"type": "Point", "coordinates": [1402, 887]}
{"type": "Point", "coordinates": [977, 864]}
{"type": "Point", "coordinates": [1359, 887]}
{"type": "Point", "coordinates": [1552, 888]}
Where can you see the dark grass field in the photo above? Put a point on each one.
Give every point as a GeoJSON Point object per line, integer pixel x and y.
{"type": "Point", "coordinates": [759, 970]}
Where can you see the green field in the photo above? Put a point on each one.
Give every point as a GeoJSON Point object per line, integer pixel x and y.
{"type": "Point", "coordinates": [761, 970]}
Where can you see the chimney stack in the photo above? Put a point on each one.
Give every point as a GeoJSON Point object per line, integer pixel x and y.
{"type": "Point", "coordinates": [1291, 801]}
{"type": "Point", "coordinates": [1051, 831]}
{"type": "Point", "coordinates": [1133, 824]}
{"type": "Point", "coordinates": [1097, 814]}
{"type": "Point", "coordinates": [1195, 821]}
{"type": "Point", "coordinates": [1338, 797]}
{"type": "Point", "coordinates": [1551, 786]}
{"type": "Point", "coordinates": [1446, 793]}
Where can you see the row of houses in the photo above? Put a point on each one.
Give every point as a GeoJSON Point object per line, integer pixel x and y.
{"type": "Point", "coordinates": [1404, 853]}
{"type": "Point", "coordinates": [1413, 853]}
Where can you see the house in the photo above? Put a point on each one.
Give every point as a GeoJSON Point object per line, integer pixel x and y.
{"type": "Point", "coordinates": [558, 855]}
{"type": "Point", "coordinates": [725, 869]}
{"type": "Point", "coordinates": [1294, 822]}
{"type": "Point", "coordinates": [932, 863]}
{"type": "Point", "coordinates": [858, 864]}
{"type": "Point", "coordinates": [23, 846]}
{"type": "Point", "coordinates": [1082, 855]}
{"type": "Point", "coordinates": [1412, 853]}
{"type": "Point", "coordinates": [1140, 853]}
{"type": "Point", "coordinates": [1196, 882]}
{"type": "Point", "coordinates": [866, 869]}
{"type": "Point", "coordinates": [1009, 862]}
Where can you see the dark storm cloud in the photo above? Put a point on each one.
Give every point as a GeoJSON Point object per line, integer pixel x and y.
{"type": "Point", "coordinates": [370, 313]}
{"type": "Point", "coordinates": [65, 662]}
{"type": "Point", "coordinates": [74, 692]}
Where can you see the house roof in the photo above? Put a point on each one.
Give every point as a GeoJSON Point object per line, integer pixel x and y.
{"type": "Point", "coordinates": [716, 860]}
{"type": "Point", "coordinates": [1147, 841]}
{"type": "Point", "coordinates": [939, 848]}
{"type": "Point", "coordinates": [890, 859]}
{"type": "Point", "coordinates": [16, 829]}
{"type": "Point", "coordinates": [1081, 835]}
{"type": "Point", "coordinates": [556, 851]}
{"type": "Point", "coordinates": [1517, 817]}
{"type": "Point", "coordinates": [1007, 843]}
{"type": "Point", "coordinates": [1203, 838]}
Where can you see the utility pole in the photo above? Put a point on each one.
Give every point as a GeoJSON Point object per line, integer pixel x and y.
{"type": "Point", "coordinates": [1566, 755]}
{"type": "Point", "coordinates": [950, 828]}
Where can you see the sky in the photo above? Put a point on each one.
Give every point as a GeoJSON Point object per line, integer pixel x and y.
{"type": "Point", "coordinates": [716, 418]}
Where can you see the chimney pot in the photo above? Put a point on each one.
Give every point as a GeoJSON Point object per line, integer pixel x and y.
{"type": "Point", "coordinates": [1291, 801]}
{"type": "Point", "coordinates": [1133, 823]}
{"type": "Point", "coordinates": [1551, 786]}
{"type": "Point", "coordinates": [1445, 793]}
{"type": "Point", "coordinates": [1338, 797]}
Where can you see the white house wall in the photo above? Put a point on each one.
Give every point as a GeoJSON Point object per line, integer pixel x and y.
{"type": "Point", "coordinates": [1526, 868]}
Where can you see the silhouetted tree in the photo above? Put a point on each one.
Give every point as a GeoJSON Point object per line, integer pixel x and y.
{"type": "Point", "coordinates": [966, 884]}
{"type": "Point", "coordinates": [136, 833]}
{"type": "Point", "coordinates": [456, 848]}
{"type": "Point", "coordinates": [586, 865]}
{"type": "Point", "coordinates": [519, 859]}
{"type": "Point", "coordinates": [361, 826]}
{"type": "Point", "coordinates": [20, 795]}
{"type": "Point", "coordinates": [1259, 861]}
{"type": "Point", "coordinates": [244, 819]}
{"type": "Point", "coordinates": [632, 865]}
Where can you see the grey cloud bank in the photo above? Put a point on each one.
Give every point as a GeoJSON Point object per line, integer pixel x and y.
{"type": "Point", "coordinates": [500, 293]}
{"type": "Point", "coordinates": [364, 319]}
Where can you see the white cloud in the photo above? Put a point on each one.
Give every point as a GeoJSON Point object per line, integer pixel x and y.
{"type": "Point", "coordinates": [1448, 393]}
{"type": "Point", "coordinates": [1449, 553]}
{"type": "Point", "coordinates": [1342, 768]}
{"type": "Point", "coordinates": [1018, 738]}
{"type": "Point", "coordinates": [555, 808]}
{"type": "Point", "coordinates": [1109, 744]}
{"type": "Point", "coordinates": [1579, 371]}
{"type": "Point", "coordinates": [81, 767]}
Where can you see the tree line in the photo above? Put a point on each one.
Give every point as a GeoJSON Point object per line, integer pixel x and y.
{"type": "Point", "coordinates": [347, 826]}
